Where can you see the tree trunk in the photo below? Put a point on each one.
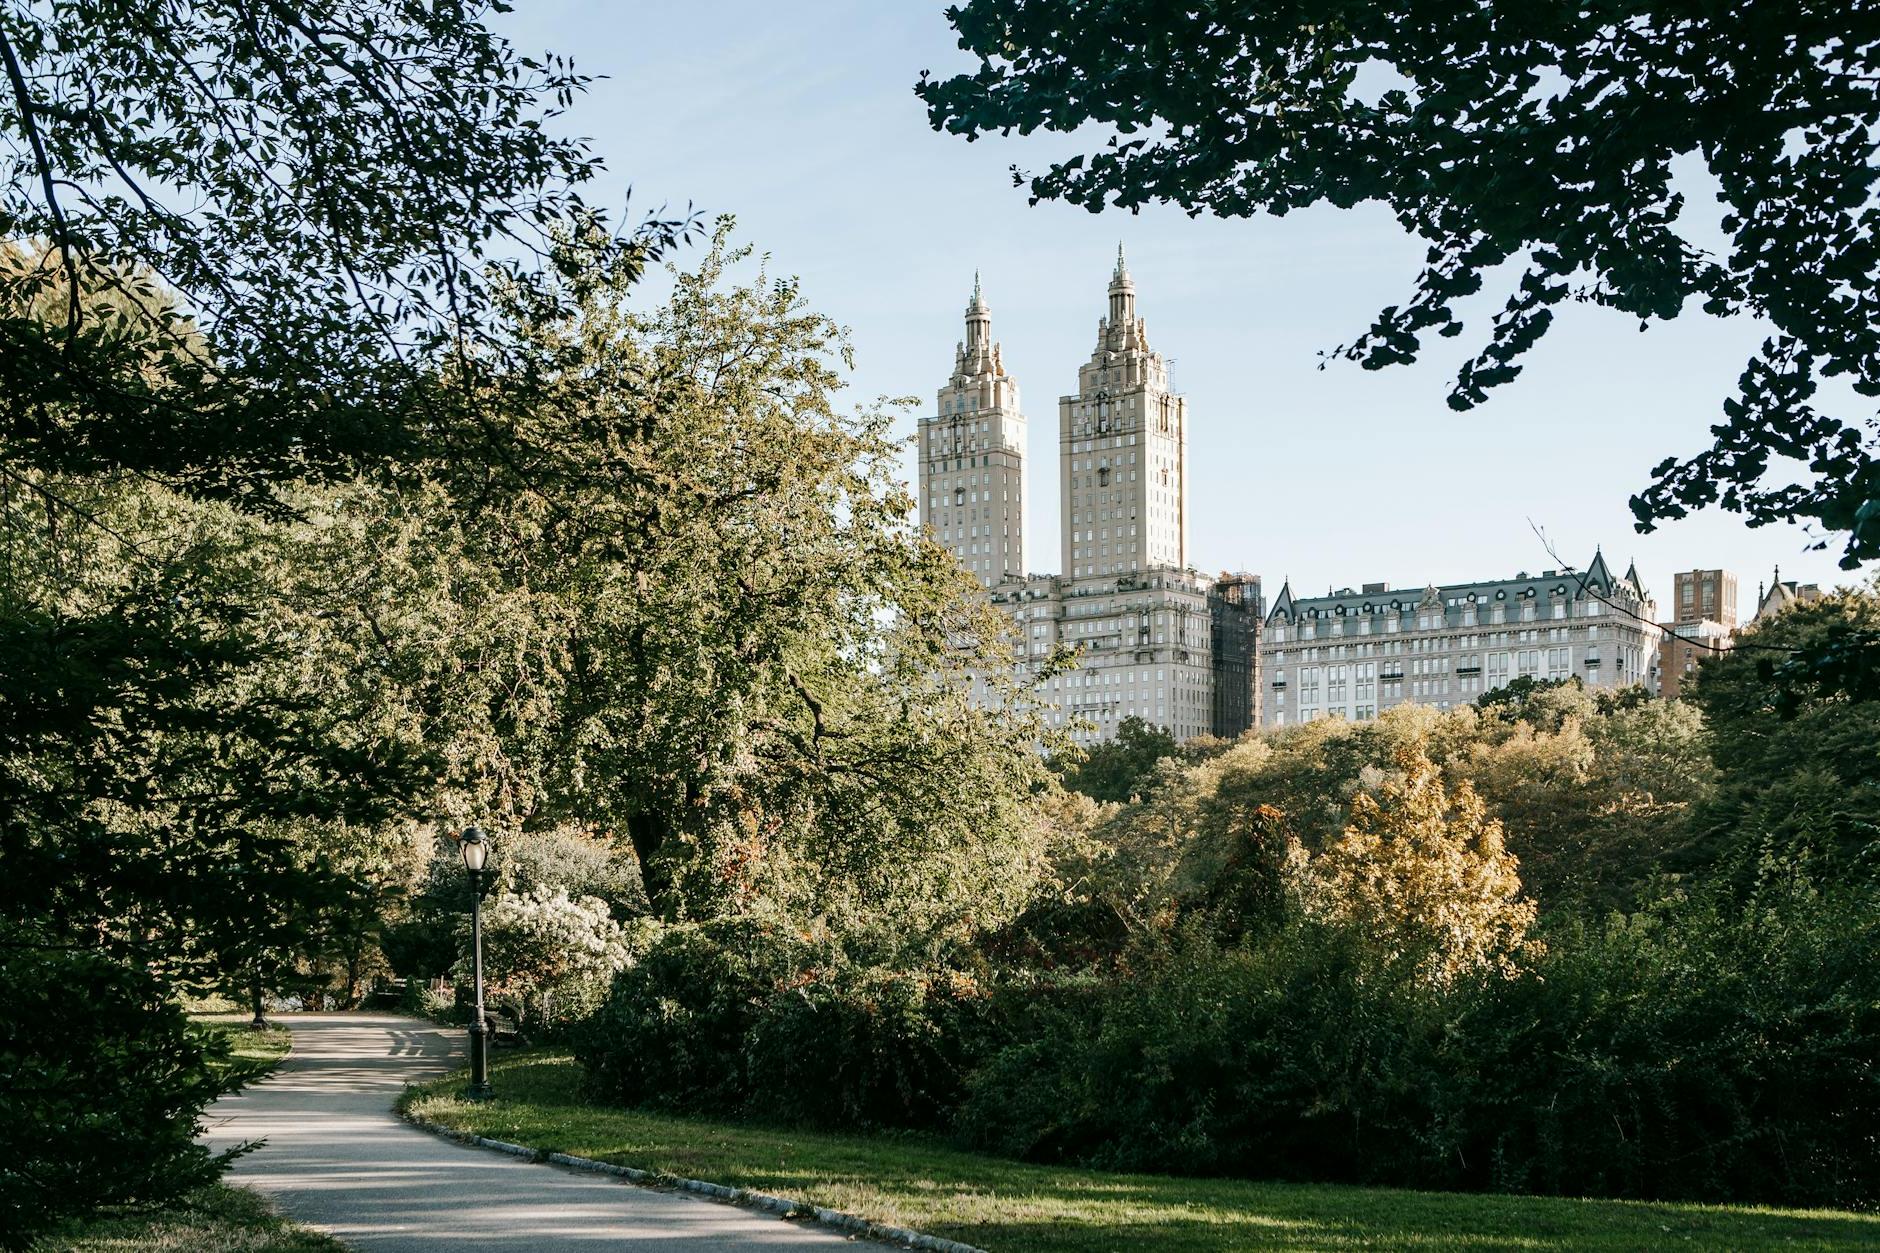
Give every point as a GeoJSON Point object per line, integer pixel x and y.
{"type": "Point", "coordinates": [648, 831]}
{"type": "Point", "coordinates": [254, 989]}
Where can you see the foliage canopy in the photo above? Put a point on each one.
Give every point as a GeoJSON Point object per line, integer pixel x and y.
{"type": "Point", "coordinates": [1546, 139]}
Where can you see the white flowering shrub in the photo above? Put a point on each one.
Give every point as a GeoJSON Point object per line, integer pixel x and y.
{"type": "Point", "coordinates": [548, 958]}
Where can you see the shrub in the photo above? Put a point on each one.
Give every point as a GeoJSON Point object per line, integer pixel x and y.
{"type": "Point", "coordinates": [866, 1046]}
{"type": "Point", "coordinates": [742, 1016]}
{"type": "Point", "coordinates": [672, 1031]}
{"type": "Point", "coordinates": [102, 1086]}
{"type": "Point", "coordinates": [1704, 1050]}
{"type": "Point", "coordinates": [547, 959]}
{"type": "Point", "coordinates": [1277, 1061]}
{"type": "Point", "coordinates": [1701, 1050]}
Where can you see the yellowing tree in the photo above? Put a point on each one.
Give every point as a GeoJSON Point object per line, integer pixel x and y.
{"type": "Point", "coordinates": [1423, 871]}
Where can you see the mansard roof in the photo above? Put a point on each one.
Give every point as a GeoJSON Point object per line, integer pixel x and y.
{"type": "Point", "coordinates": [1596, 582]}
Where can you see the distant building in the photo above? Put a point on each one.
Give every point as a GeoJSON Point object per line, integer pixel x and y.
{"type": "Point", "coordinates": [1683, 647]}
{"type": "Point", "coordinates": [1155, 638]}
{"type": "Point", "coordinates": [1146, 647]}
{"type": "Point", "coordinates": [1703, 624]}
{"type": "Point", "coordinates": [972, 457]}
{"type": "Point", "coordinates": [1704, 595]}
{"type": "Point", "coordinates": [1357, 653]}
{"type": "Point", "coordinates": [1234, 607]}
{"type": "Point", "coordinates": [1780, 596]}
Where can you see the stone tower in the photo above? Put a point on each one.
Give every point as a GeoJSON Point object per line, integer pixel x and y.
{"type": "Point", "coordinates": [972, 457]}
{"type": "Point", "coordinates": [1123, 451]}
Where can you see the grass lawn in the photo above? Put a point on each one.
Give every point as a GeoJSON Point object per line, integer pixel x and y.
{"type": "Point", "coordinates": [216, 1219]}
{"type": "Point", "coordinates": [246, 1044]}
{"type": "Point", "coordinates": [1012, 1207]}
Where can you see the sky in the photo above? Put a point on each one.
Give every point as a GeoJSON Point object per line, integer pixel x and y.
{"type": "Point", "coordinates": [801, 121]}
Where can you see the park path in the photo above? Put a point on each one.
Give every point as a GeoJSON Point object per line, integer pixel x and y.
{"type": "Point", "coordinates": [337, 1158]}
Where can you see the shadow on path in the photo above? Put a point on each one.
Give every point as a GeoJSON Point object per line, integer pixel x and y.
{"type": "Point", "coordinates": [336, 1157]}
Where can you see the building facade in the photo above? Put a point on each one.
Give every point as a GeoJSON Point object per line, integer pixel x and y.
{"type": "Point", "coordinates": [1684, 647]}
{"type": "Point", "coordinates": [1154, 638]}
{"type": "Point", "coordinates": [1704, 596]}
{"type": "Point", "coordinates": [1355, 654]}
{"type": "Point", "coordinates": [1780, 596]}
{"type": "Point", "coordinates": [1234, 607]}
{"type": "Point", "coordinates": [1146, 646]}
{"type": "Point", "coordinates": [1703, 624]}
{"type": "Point", "coordinates": [972, 457]}
{"type": "Point", "coordinates": [1122, 452]}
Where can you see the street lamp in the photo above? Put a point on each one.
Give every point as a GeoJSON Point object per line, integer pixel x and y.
{"type": "Point", "coordinates": [476, 854]}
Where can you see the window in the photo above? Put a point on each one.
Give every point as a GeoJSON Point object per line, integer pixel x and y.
{"type": "Point", "coordinates": [1497, 670]}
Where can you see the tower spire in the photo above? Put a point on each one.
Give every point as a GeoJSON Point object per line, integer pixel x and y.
{"type": "Point", "coordinates": [1122, 296]}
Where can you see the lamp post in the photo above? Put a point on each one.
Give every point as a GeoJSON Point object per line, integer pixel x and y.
{"type": "Point", "coordinates": [476, 854]}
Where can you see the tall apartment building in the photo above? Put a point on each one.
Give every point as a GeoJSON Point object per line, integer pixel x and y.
{"type": "Point", "coordinates": [1703, 607]}
{"type": "Point", "coordinates": [1155, 639]}
{"type": "Point", "coordinates": [1704, 596]}
{"type": "Point", "coordinates": [1123, 451]}
{"type": "Point", "coordinates": [1357, 653]}
{"type": "Point", "coordinates": [1684, 647]}
{"type": "Point", "coordinates": [972, 456]}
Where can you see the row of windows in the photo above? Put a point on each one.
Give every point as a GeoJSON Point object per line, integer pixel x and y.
{"type": "Point", "coordinates": [1310, 628]}
{"type": "Point", "coordinates": [1443, 644]}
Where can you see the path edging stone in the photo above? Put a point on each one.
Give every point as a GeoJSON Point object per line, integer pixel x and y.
{"type": "Point", "coordinates": [783, 1207]}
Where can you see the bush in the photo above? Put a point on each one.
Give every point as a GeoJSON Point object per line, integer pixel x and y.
{"type": "Point", "coordinates": [1702, 1050]}
{"type": "Point", "coordinates": [548, 959]}
{"type": "Point", "coordinates": [1705, 1050]}
{"type": "Point", "coordinates": [1281, 1061]}
{"type": "Point", "coordinates": [445, 1007]}
{"type": "Point", "coordinates": [866, 1046]}
{"type": "Point", "coordinates": [740, 1016]}
{"type": "Point", "coordinates": [672, 1031]}
{"type": "Point", "coordinates": [102, 1086]}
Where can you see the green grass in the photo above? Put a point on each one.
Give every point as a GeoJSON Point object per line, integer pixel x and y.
{"type": "Point", "coordinates": [1012, 1207]}
{"type": "Point", "coordinates": [217, 1218]}
{"type": "Point", "coordinates": [268, 1045]}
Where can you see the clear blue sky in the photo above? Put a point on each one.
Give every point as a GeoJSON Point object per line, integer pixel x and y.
{"type": "Point", "coordinates": [800, 119]}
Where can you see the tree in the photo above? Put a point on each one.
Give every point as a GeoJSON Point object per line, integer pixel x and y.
{"type": "Point", "coordinates": [702, 629]}
{"type": "Point", "coordinates": [245, 246]}
{"type": "Point", "coordinates": [95, 1056]}
{"type": "Point", "coordinates": [1543, 139]}
{"type": "Point", "coordinates": [1117, 769]}
{"type": "Point", "coordinates": [307, 205]}
{"type": "Point", "coordinates": [1422, 873]}
{"type": "Point", "coordinates": [1514, 697]}
{"type": "Point", "coordinates": [1798, 774]}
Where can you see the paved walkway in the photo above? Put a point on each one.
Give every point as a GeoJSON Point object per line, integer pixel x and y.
{"type": "Point", "coordinates": [338, 1159]}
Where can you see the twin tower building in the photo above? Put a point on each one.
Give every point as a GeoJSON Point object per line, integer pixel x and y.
{"type": "Point", "coordinates": [1156, 638]}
